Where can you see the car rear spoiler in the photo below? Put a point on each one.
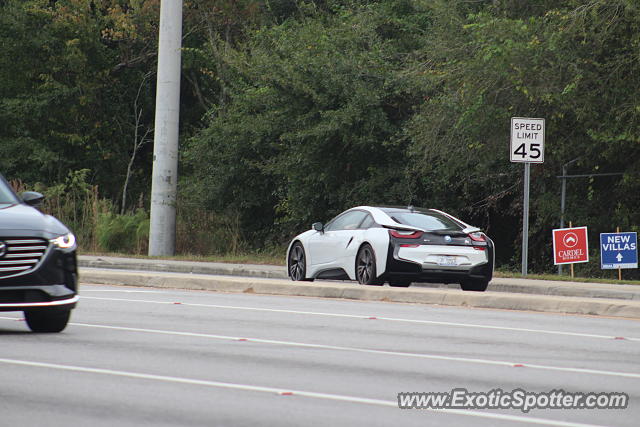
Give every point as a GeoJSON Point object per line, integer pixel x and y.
{"type": "Point", "coordinates": [402, 227]}
{"type": "Point", "coordinates": [470, 230]}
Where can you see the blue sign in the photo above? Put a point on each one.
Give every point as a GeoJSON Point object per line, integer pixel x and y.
{"type": "Point", "coordinates": [618, 250]}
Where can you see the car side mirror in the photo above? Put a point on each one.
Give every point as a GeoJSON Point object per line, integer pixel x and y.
{"type": "Point", "coordinates": [32, 198]}
{"type": "Point", "coordinates": [318, 226]}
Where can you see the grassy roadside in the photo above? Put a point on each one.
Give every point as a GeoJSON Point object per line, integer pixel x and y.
{"type": "Point", "coordinates": [272, 258]}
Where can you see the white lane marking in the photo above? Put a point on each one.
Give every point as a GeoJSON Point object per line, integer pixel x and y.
{"type": "Point", "coordinates": [392, 319]}
{"type": "Point", "coordinates": [365, 350]}
{"type": "Point", "coordinates": [370, 351]}
{"type": "Point", "coordinates": [281, 391]}
{"type": "Point", "coordinates": [132, 291]}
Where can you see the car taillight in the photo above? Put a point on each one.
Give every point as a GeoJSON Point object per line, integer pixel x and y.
{"type": "Point", "coordinates": [400, 234]}
{"type": "Point", "coordinates": [406, 245]}
{"type": "Point", "coordinates": [477, 237]}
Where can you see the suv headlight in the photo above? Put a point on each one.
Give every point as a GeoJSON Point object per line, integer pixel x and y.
{"type": "Point", "coordinates": [65, 241]}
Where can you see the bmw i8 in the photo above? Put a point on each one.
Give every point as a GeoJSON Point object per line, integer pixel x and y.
{"type": "Point", "coordinates": [374, 245]}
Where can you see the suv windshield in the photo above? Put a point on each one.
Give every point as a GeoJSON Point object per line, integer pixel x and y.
{"type": "Point", "coordinates": [6, 194]}
{"type": "Point", "coordinates": [431, 221]}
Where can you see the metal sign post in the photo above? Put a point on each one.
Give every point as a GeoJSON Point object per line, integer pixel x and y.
{"type": "Point", "coordinates": [527, 146]}
{"type": "Point", "coordinates": [563, 190]}
{"type": "Point", "coordinates": [525, 219]}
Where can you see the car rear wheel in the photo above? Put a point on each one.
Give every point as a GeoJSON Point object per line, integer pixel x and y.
{"type": "Point", "coordinates": [298, 263]}
{"type": "Point", "coordinates": [366, 272]}
{"type": "Point", "coordinates": [47, 320]}
{"type": "Point", "coordinates": [400, 283]}
{"type": "Point", "coordinates": [477, 285]}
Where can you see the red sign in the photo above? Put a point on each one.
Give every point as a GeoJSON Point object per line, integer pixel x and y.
{"type": "Point", "coordinates": [570, 245]}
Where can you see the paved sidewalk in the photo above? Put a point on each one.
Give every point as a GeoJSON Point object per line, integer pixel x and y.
{"type": "Point", "coordinates": [508, 285]}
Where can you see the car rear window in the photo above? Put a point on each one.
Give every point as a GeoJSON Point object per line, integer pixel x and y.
{"type": "Point", "coordinates": [431, 221]}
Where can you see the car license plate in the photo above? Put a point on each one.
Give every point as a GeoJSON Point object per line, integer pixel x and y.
{"type": "Point", "coordinates": [447, 260]}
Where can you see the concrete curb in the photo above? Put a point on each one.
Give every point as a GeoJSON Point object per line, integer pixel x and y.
{"type": "Point", "coordinates": [197, 267]}
{"type": "Point", "coordinates": [446, 297]}
{"type": "Point", "coordinates": [559, 288]}
{"type": "Point", "coordinates": [507, 285]}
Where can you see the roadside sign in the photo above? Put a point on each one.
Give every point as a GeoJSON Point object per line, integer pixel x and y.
{"type": "Point", "coordinates": [570, 245]}
{"type": "Point", "coordinates": [527, 146]}
{"type": "Point", "coordinates": [527, 140]}
{"type": "Point", "coordinates": [618, 250]}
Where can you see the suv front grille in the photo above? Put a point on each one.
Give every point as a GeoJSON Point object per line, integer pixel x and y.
{"type": "Point", "coordinates": [21, 255]}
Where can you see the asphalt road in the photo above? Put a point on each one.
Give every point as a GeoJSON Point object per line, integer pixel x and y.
{"type": "Point", "coordinates": [135, 356]}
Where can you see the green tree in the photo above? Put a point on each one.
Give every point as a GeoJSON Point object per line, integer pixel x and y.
{"type": "Point", "coordinates": [573, 63]}
{"type": "Point", "coordinates": [314, 122]}
{"type": "Point", "coordinates": [71, 71]}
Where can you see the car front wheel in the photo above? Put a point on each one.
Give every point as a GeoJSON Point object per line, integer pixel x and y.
{"type": "Point", "coordinates": [298, 263]}
{"type": "Point", "coordinates": [47, 320]}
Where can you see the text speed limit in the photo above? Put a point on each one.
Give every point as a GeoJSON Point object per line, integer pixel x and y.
{"type": "Point", "coordinates": [527, 140]}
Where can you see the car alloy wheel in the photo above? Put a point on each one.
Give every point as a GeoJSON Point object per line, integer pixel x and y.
{"type": "Point", "coordinates": [297, 263]}
{"type": "Point", "coordinates": [366, 266]}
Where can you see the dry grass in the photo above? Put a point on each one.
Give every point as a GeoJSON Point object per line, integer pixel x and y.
{"type": "Point", "coordinates": [248, 258]}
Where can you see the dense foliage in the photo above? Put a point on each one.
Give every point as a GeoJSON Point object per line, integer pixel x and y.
{"type": "Point", "coordinates": [294, 110]}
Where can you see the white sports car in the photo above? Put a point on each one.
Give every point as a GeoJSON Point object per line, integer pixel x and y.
{"type": "Point", "coordinates": [374, 245]}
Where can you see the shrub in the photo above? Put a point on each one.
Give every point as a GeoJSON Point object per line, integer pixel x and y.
{"type": "Point", "coordinates": [128, 233]}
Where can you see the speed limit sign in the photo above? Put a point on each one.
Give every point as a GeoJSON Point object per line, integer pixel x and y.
{"type": "Point", "coordinates": [527, 140]}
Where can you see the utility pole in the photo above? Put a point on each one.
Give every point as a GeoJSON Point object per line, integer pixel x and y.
{"type": "Point", "coordinates": [164, 188]}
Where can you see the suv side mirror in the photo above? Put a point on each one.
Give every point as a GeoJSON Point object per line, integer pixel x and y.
{"type": "Point", "coordinates": [318, 226]}
{"type": "Point", "coordinates": [32, 198]}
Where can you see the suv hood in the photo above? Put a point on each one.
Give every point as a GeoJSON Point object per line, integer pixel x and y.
{"type": "Point", "coordinates": [16, 218]}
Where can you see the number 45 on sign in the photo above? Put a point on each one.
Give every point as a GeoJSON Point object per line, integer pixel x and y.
{"type": "Point", "coordinates": [527, 140]}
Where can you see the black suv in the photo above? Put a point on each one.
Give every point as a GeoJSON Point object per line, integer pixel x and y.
{"type": "Point", "coordinates": [38, 271]}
